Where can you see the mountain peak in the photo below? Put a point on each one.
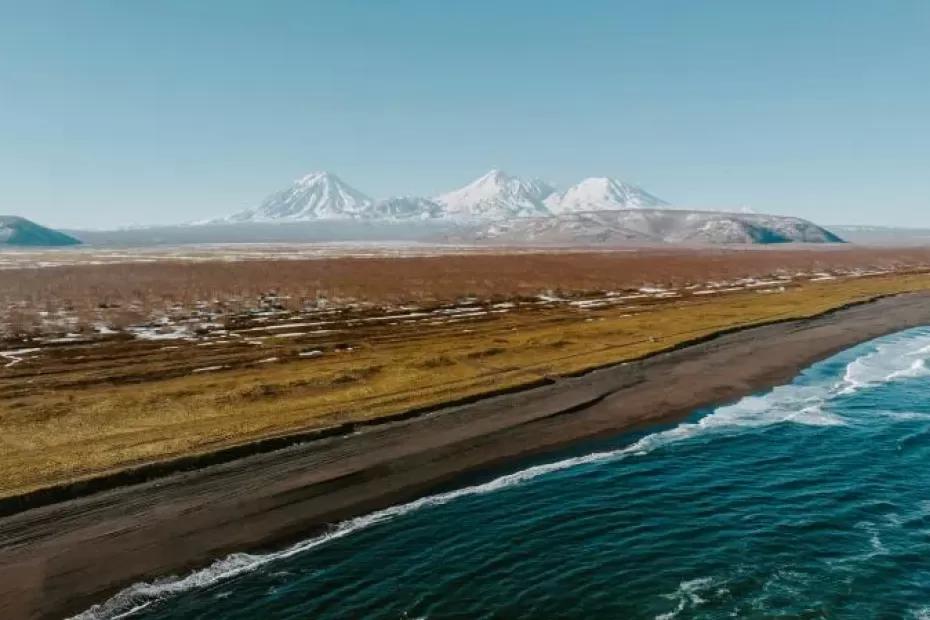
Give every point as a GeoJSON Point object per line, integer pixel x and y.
{"type": "Point", "coordinates": [599, 182]}
{"type": "Point", "coordinates": [496, 175]}
{"type": "Point", "coordinates": [496, 194]}
{"type": "Point", "coordinates": [317, 195]}
{"type": "Point", "coordinates": [316, 177]}
{"type": "Point", "coordinates": [603, 194]}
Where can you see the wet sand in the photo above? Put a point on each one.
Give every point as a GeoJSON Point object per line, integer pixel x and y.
{"type": "Point", "coordinates": [58, 559]}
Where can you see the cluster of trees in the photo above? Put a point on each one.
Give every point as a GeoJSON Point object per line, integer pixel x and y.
{"type": "Point", "coordinates": [84, 296]}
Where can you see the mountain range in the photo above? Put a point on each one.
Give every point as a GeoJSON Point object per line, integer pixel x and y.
{"type": "Point", "coordinates": [495, 208]}
{"type": "Point", "coordinates": [504, 209]}
{"type": "Point", "coordinates": [493, 196]}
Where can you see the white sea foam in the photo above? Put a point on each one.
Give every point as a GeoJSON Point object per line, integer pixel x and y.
{"type": "Point", "coordinates": [891, 360]}
{"type": "Point", "coordinates": [902, 416]}
{"type": "Point", "coordinates": [796, 403]}
{"type": "Point", "coordinates": [922, 613]}
{"type": "Point", "coordinates": [688, 595]}
{"type": "Point", "coordinates": [875, 545]}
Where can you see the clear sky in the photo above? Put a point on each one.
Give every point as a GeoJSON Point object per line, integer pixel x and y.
{"type": "Point", "coordinates": [115, 112]}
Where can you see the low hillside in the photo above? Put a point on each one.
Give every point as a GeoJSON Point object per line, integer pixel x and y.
{"type": "Point", "coordinates": [652, 226]}
{"type": "Point", "coordinates": [19, 231]}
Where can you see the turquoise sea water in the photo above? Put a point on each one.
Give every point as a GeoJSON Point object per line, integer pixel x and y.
{"type": "Point", "coordinates": [809, 501]}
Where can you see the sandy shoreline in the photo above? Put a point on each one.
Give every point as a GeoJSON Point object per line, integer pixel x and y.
{"type": "Point", "coordinates": [61, 558]}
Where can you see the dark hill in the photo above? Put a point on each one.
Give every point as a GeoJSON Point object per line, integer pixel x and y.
{"type": "Point", "coordinates": [19, 231]}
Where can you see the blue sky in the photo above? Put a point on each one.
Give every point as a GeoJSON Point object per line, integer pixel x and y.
{"type": "Point", "coordinates": [156, 112]}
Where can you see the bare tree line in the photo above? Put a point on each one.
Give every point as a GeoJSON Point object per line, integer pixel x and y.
{"type": "Point", "coordinates": [82, 297]}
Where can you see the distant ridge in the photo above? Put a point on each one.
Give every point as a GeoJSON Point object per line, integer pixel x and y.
{"type": "Point", "coordinates": [651, 226]}
{"type": "Point", "coordinates": [18, 231]}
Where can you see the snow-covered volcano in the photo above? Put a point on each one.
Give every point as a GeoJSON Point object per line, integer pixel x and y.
{"type": "Point", "coordinates": [316, 196]}
{"type": "Point", "coordinates": [603, 194]}
{"type": "Point", "coordinates": [497, 195]}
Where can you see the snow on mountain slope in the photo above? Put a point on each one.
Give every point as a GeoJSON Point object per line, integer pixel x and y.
{"type": "Point", "coordinates": [569, 229]}
{"type": "Point", "coordinates": [653, 226]}
{"type": "Point", "coordinates": [405, 208]}
{"type": "Point", "coordinates": [496, 195]}
{"type": "Point", "coordinates": [316, 196]}
{"type": "Point", "coordinates": [602, 194]}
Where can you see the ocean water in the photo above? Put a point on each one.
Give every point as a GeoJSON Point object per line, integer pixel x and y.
{"type": "Point", "coordinates": [809, 501]}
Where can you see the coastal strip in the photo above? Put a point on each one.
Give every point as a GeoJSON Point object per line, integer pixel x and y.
{"type": "Point", "coordinates": [60, 558]}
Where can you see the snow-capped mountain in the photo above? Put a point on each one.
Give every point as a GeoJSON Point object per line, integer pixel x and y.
{"type": "Point", "coordinates": [316, 196]}
{"type": "Point", "coordinates": [496, 195]}
{"type": "Point", "coordinates": [602, 194]}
